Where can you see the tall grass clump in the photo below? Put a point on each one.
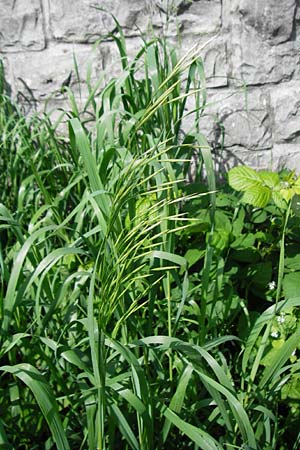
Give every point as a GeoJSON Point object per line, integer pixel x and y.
{"type": "Point", "coordinates": [117, 332]}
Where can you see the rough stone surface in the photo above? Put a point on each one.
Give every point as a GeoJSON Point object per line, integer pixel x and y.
{"type": "Point", "coordinates": [37, 75]}
{"type": "Point", "coordinates": [255, 42]}
{"type": "Point", "coordinates": [285, 101]}
{"type": "Point", "coordinates": [239, 118]}
{"type": "Point", "coordinates": [225, 159]}
{"type": "Point", "coordinates": [21, 26]}
{"type": "Point", "coordinates": [273, 20]}
{"type": "Point", "coordinates": [81, 21]}
{"type": "Point", "coordinates": [286, 155]}
{"type": "Point", "coordinates": [257, 62]}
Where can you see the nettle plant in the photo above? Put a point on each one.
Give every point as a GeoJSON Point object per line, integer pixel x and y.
{"type": "Point", "coordinates": [282, 191]}
{"type": "Point", "coordinates": [259, 188]}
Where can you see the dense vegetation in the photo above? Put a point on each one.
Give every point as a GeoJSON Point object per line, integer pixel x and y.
{"type": "Point", "coordinates": [140, 311]}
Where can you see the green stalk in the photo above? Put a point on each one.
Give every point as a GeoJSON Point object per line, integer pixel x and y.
{"type": "Point", "coordinates": [266, 335]}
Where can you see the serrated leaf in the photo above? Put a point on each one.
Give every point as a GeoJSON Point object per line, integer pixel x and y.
{"type": "Point", "coordinates": [243, 178]}
{"type": "Point", "coordinates": [244, 241]}
{"type": "Point", "coordinates": [286, 194]}
{"type": "Point", "coordinates": [220, 239]}
{"type": "Point", "coordinates": [258, 196]}
{"type": "Point", "coordinates": [278, 200]}
{"type": "Point", "coordinates": [270, 179]}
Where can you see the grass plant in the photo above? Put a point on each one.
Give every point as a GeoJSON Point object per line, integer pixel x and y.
{"type": "Point", "coordinates": [120, 313]}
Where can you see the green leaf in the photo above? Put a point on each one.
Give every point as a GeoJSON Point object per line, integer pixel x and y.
{"type": "Point", "coordinates": [283, 354]}
{"type": "Point", "coordinates": [178, 398]}
{"type": "Point", "coordinates": [257, 195]}
{"type": "Point", "coordinates": [296, 205]}
{"type": "Point", "coordinates": [171, 257]}
{"type": "Point", "coordinates": [193, 255]}
{"type": "Point", "coordinates": [260, 274]}
{"type": "Point", "coordinates": [243, 241]}
{"type": "Point", "coordinates": [291, 283]}
{"type": "Point", "coordinates": [204, 440]}
{"type": "Point", "coordinates": [45, 399]}
{"type": "Point", "coordinates": [278, 200]}
{"type": "Point", "coordinates": [243, 178]}
{"type": "Point", "coordinates": [3, 437]}
{"type": "Point", "coordinates": [262, 320]}
{"type": "Point", "coordinates": [270, 179]}
{"type": "Point", "coordinates": [292, 259]}
{"type": "Point", "coordinates": [220, 239]}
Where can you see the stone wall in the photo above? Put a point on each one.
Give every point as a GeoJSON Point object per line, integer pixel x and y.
{"type": "Point", "coordinates": [257, 42]}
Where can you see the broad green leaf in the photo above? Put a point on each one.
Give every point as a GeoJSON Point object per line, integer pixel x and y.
{"type": "Point", "coordinates": [292, 259]}
{"type": "Point", "coordinates": [279, 200]}
{"type": "Point", "coordinates": [291, 284]}
{"type": "Point", "coordinates": [258, 196]}
{"type": "Point", "coordinates": [260, 274]}
{"type": "Point", "coordinates": [270, 179]}
{"type": "Point", "coordinates": [243, 241]}
{"type": "Point", "coordinates": [220, 239]}
{"type": "Point", "coordinates": [243, 178]}
{"type": "Point", "coordinates": [286, 194]}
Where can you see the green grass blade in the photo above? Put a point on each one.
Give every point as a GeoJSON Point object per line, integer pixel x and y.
{"type": "Point", "coordinates": [197, 435]}
{"type": "Point", "coordinates": [178, 398]}
{"type": "Point", "coordinates": [45, 399]}
{"type": "Point", "coordinates": [282, 355]}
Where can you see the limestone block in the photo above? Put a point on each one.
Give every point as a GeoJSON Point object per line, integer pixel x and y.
{"type": "Point", "coordinates": [228, 158]}
{"type": "Point", "coordinates": [238, 119]}
{"type": "Point", "coordinates": [40, 75]}
{"type": "Point", "coordinates": [285, 102]}
{"type": "Point", "coordinates": [262, 39]}
{"type": "Point", "coordinates": [79, 21]}
{"type": "Point", "coordinates": [183, 17]}
{"type": "Point", "coordinates": [21, 25]}
{"type": "Point", "coordinates": [286, 156]}
{"type": "Point", "coordinates": [272, 19]}
{"type": "Point", "coordinates": [230, 13]}
{"type": "Point", "coordinates": [257, 62]}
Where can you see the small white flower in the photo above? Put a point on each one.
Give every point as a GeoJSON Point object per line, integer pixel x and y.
{"type": "Point", "coordinates": [281, 318]}
{"type": "Point", "coordinates": [294, 353]}
{"type": "Point", "coordinates": [275, 334]}
{"type": "Point", "coordinates": [285, 184]}
{"type": "Point", "coordinates": [272, 285]}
